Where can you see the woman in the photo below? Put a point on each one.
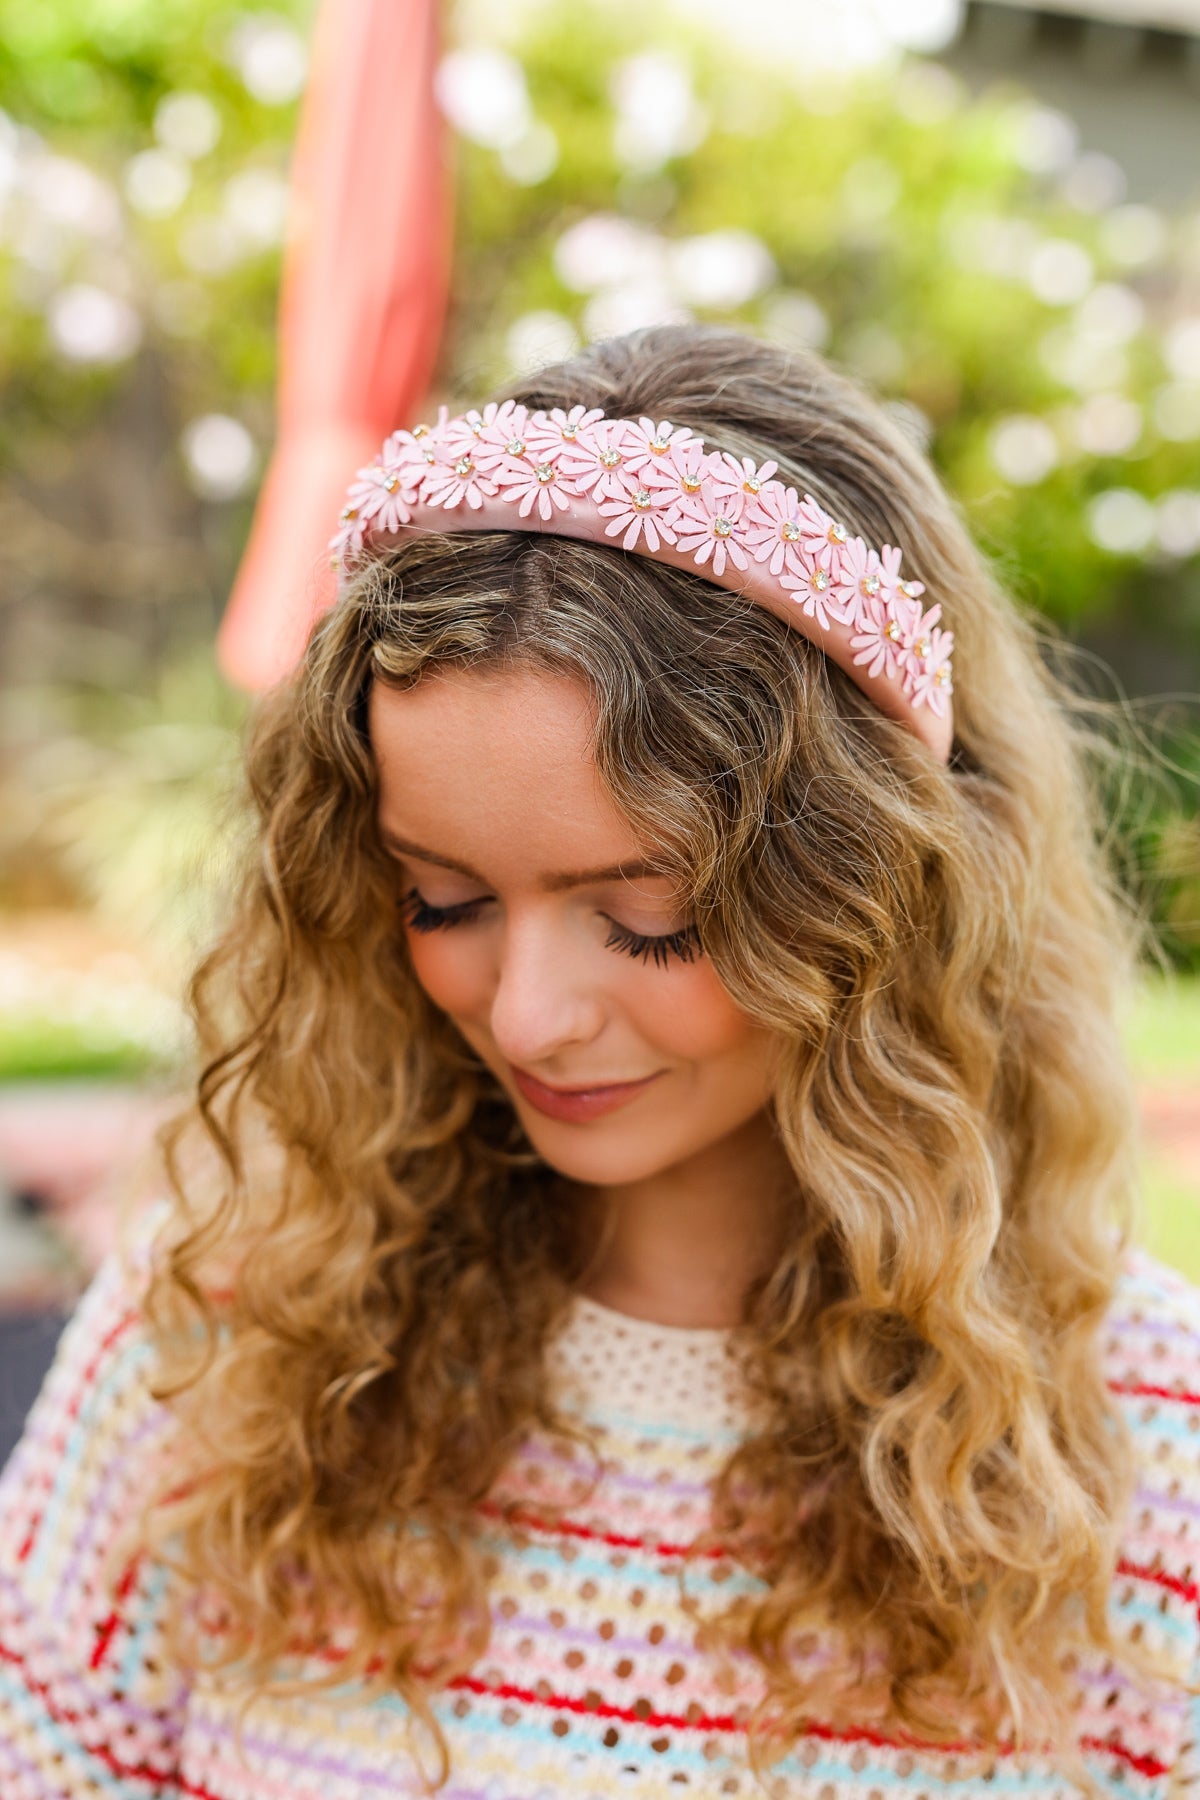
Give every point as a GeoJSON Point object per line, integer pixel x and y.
{"type": "Point", "coordinates": [651, 1301]}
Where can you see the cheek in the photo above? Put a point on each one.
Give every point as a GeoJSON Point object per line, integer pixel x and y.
{"type": "Point", "coordinates": [452, 970]}
{"type": "Point", "coordinates": [693, 1017]}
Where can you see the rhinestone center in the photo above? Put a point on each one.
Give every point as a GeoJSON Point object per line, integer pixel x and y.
{"type": "Point", "coordinates": [464, 467]}
{"type": "Point", "coordinates": [610, 458]}
{"type": "Point", "coordinates": [689, 484]}
{"type": "Point", "coordinates": [721, 527]}
{"type": "Point", "coordinates": [837, 533]}
{"type": "Point", "coordinates": [515, 447]}
{"type": "Point", "coordinates": [891, 630]}
{"type": "Point", "coordinates": [659, 445]}
{"type": "Point", "coordinates": [545, 472]}
{"type": "Point", "coordinates": [819, 581]}
{"type": "Point", "coordinates": [870, 586]}
{"type": "Point", "coordinates": [790, 531]}
{"type": "Point", "coordinates": [641, 499]}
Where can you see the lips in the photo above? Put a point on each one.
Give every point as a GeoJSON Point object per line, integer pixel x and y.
{"type": "Point", "coordinates": [576, 1105]}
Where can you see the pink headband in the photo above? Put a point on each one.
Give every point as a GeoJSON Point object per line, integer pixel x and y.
{"type": "Point", "coordinates": [581, 475]}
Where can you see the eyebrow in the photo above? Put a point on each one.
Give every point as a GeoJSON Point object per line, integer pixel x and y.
{"type": "Point", "coordinates": [552, 884]}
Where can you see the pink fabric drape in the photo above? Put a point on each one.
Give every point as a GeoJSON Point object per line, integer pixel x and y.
{"type": "Point", "coordinates": [364, 293]}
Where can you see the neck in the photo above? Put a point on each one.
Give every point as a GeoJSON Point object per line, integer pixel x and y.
{"type": "Point", "coordinates": [681, 1247]}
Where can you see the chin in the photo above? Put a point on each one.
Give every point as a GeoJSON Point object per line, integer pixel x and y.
{"type": "Point", "coordinates": [598, 1158]}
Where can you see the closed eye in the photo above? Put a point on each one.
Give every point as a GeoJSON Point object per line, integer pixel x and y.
{"type": "Point", "coordinates": [655, 947]}
{"type": "Point", "coordinates": [421, 916]}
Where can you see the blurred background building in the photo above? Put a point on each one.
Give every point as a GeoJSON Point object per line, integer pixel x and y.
{"type": "Point", "coordinates": [988, 211]}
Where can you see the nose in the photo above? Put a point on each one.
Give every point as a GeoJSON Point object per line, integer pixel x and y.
{"type": "Point", "coordinates": [544, 1002]}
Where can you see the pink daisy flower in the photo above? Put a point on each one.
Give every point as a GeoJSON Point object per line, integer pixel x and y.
{"type": "Point", "coordinates": [639, 511]}
{"type": "Point", "coordinates": [681, 473]}
{"type": "Point", "coordinates": [547, 435]}
{"type": "Point", "coordinates": [880, 640]}
{"type": "Point", "coordinates": [889, 568]}
{"type": "Point", "coordinates": [382, 496]}
{"type": "Point", "coordinates": [347, 540]}
{"type": "Point", "coordinates": [742, 473]}
{"type": "Point", "coordinates": [814, 588]}
{"type": "Point", "coordinates": [448, 485]}
{"type": "Point", "coordinates": [774, 529]}
{"type": "Point", "coordinates": [485, 436]}
{"type": "Point", "coordinates": [596, 460]}
{"type": "Point", "coordinates": [820, 528]}
{"type": "Point", "coordinates": [709, 524]}
{"type": "Point", "coordinates": [647, 442]}
{"type": "Point", "coordinates": [858, 577]}
{"type": "Point", "coordinates": [927, 681]}
{"type": "Point", "coordinates": [541, 484]}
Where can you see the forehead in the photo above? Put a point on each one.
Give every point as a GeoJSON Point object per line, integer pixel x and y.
{"type": "Point", "coordinates": [494, 767]}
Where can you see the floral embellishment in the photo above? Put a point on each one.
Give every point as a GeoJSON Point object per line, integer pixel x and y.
{"type": "Point", "coordinates": [820, 529]}
{"type": "Point", "coordinates": [682, 473]}
{"type": "Point", "coordinates": [534, 484]}
{"type": "Point", "coordinates": [595, 462]}
{"type": "Point", "coordinates": [775, 530]}
{"type": "Point", "coordinates": [549, 434]}
{"type": "Point", "coordinates": [653, 486]}
{"type": "Point", "coordinates": [745, 474]}
{"type": "Point", "coordinates": [858, 577]}
{"type": "Point", "coordinates": [880, 640]}
{"type": "Point", "coordinates": [501, 436]}
{"type": "Point", "coordinates": [710, 525]}
{"type": "Point", "coordinates": [815, 588]}
{"type": "Point", "coordinates": [932, 684]}
{"type": "Point", "coordinates": [640, 512]}
{"type": "Point", "coordinates": [928, 651]}
{"type": "Point", "coordinates": [647, 442]}
{"type": "Point", "coordinates": [384, 495]}
{"type": "Point", "coordinates": [460, 480]}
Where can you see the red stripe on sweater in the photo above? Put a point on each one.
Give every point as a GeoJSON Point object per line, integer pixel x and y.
{"type": "Point", "coordinates": [725, 1722]}
{"type": "Point", "coordinates": [1175, 1584]}
{"type": "Point", "coordinates": [108, 1629]}
{"type": "Point", "coordinates": [570, 1528]}
{"type": "Point", "coordinates": [1148, 1390]}
{"type": "Point", "coordinates": [59, 1442]}
{"type": "Point", "coordinates": [125, 1771]}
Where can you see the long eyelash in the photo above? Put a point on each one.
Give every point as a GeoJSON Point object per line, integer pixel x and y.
{"type": "Point", "coordinates": [422, 917]}
{"type": "Point", "coordinates": [658, 949]}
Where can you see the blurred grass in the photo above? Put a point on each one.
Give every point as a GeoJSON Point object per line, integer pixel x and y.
{"type": "Point", "coordinates": [42, 1049]}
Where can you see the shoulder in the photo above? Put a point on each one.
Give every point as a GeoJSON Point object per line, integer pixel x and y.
{"type": "Point", "coordinates": [88, 1695]}
{"type": "Point", "coordinates": [1151, 1359]}
{"type": "Point", "coordinates": [1152, 1335]}
{"type": "Point", "coordinates": [92, 1429]}
{"type": "Point", "coordinates": [1151, 1352]}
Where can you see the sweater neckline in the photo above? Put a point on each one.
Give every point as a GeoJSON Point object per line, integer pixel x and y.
{"type": "Point", "coordinates": [702, 1336]}
{"type": "Point", "coordinates": [681, 1380]}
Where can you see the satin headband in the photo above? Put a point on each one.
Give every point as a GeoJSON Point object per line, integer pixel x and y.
{"type": "Point", "coordinates": [655, 490]}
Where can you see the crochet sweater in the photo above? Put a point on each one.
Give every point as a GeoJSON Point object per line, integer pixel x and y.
{"type": "Point", "coordinates": [592, 1684]}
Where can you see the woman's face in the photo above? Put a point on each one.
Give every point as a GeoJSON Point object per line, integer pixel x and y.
{"type": "Point", "coordinates": [535, 922]}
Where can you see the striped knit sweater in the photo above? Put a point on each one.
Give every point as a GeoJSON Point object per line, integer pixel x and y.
{"type": "Point", "coordinates": [592, 1684]}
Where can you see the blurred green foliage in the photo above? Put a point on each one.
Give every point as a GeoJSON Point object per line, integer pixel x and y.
{"type": "Point", "coordinates": [615, 165]}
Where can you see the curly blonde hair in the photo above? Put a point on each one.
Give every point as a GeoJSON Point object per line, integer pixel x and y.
{"type": "Point", "coordinates": [376, 1256]}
